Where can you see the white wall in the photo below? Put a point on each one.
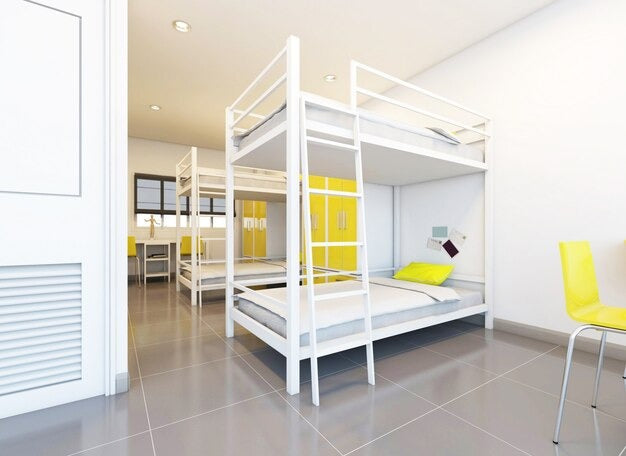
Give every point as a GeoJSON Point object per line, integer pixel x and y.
{"type": "Point", "coordinates": [379, 225]}
{"type": "Point", "coordinates": [456, 203]}
{"type": "Point", "coordinates": [554, 84]}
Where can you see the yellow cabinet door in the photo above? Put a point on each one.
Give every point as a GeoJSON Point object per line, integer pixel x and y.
{"type": "Point", "coordinates": [247, 228]}
{"type": "Point", "coordinates": [335, 219]}
{"type": "Point", "coordinates": [318, 223]}
{"type": "Point", "coordinates": [349, 226]}
{"type": "Point", "coordinates": [260, 231]}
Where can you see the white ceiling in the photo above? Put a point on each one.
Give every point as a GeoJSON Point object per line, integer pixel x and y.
{"type": "Point", "coordinates": [194, 76]}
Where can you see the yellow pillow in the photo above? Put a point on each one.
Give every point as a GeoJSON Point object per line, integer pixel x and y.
{"type": "Point", "coordinates": [431, 274]}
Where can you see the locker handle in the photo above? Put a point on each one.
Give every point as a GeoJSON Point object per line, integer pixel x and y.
{"type": "Point", "coordinates": [345, 220]}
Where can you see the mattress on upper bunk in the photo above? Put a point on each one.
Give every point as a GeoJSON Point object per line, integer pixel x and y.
{"type": "Point", "coordinates": [215, 273]}
{"type": "Point", "coordinates": [270, 181]}
{"type": "Point", "coordinates": [372, 125]}
{"type": "Point", "coordinates": [392, 302]}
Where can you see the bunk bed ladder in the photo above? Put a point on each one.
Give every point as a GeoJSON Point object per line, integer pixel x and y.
{"type": "Point", "coordinates": [357, 340]}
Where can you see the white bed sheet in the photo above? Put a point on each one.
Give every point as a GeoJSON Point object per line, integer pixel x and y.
{"type": "Point", "coordinates": [216, 272]}
{"type": "Point", "coordinates": [371, 125]}
{"type": "Point", "coordinates": [385, 298]}
{"type": "Point", "coordinates": [277, 323]}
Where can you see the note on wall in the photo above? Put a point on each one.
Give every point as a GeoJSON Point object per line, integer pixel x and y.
{"type": "Point", "coordinates": [450, 248]}
{"type": "Point", "coordinates": [433, 244]}
{"type": "Point", "coordinates": [440, 231]}
{"type": "Point", "coordinates": [457, 238]}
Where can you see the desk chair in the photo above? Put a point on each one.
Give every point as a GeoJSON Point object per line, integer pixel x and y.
{"type": "Point", "coordinates": [132, 253]}
{"type": "Point", "coordinates": [185, 246]}
{"type": "Point", "coordinates": [583, 304]}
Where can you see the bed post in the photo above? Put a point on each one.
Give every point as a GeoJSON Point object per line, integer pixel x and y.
{"type": "Point", "coordinates": [396, 228]}
{"type": "Point", "coordinates": [489, 224]}
{"type": "Point", "coordinates": [230, 224]}
{"type": "Point", "coordinates": [177, 229]}
{"type": "Point", "coordinates": [194, 225]}
{"type": "Point", "coordinates": [293, 215]}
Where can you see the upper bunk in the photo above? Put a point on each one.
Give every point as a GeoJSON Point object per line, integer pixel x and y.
{"type": "Point", "coordinates": [443, 139]}
{"type": "Point", "coordinates": [250, 184]}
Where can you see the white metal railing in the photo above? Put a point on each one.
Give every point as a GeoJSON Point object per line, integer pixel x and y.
{"type": "Point", "coordinates": [247, 112]}
{"type": "Point", "coordinates": [355, 90]}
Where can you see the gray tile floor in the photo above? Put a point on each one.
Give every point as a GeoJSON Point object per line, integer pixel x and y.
{"type": "Point", "coordinates": [455, 389]}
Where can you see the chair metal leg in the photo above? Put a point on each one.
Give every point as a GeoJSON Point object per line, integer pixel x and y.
{"type": "Point", "coordinates": [566, 372]}
{"type": "Point", "coordinates": [599, 369]}
{"type": "Point", "coordinates": [138, 274]}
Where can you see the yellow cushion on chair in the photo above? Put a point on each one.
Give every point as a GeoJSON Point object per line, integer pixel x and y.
{"type": "Point", "coordinates": [582, 297]}
{"type": "Point", "coordinates": [430, 274]}
{"type": "Point", "coordinates": [132, 246]}
{"type": "Point", "coordinates": [185, 246]}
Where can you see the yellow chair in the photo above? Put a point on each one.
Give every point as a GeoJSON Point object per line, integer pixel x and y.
{"type": "Point", "coordinates": [132, 253]}
{"type": "Point", "coordinates": [185, 246]}
{"type": "Point", "coordinates": [583, 304]}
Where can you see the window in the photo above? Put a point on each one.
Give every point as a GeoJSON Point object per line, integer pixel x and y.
{"type": "Point", "coordinates": [156, 196]}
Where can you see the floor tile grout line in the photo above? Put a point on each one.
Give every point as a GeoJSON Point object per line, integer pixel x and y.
{"type": "Point", "coordinates": [460, 361]}
{"type": "Point", "coordinates": [440, 407]}
{"type": "Point", "coordinates": [500, 342]}
{"type": "Point", "coordinates": [143, 392]}
{"type": "Point", "coordinates": [216, 409]}
{"type": "Point", "coordinates": [485, 431]}
{"type": "Point", "coordinates": [284, 399]}
{"type": "Point", "coordinates": [497, 377]}
{"type": "Point", "coordinates": [391, 431]}
{"type": "Point", "coordinates": [147, 325]}
{"type": "Point", "coordinates": [108, 443]}
{"type": "Point", "coordinates": [568, 401]}
{"type": "Point", "coordinates": [173, 340]}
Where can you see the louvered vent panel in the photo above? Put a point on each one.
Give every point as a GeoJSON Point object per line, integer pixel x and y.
{"type": "Point", "coordinates": [40, 326]}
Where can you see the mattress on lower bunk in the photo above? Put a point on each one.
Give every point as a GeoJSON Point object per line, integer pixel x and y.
{"type": "Point", "coordinates": [373, 125]}
{"type": "Point", "coordinates": [216, 273]}
{"type": "Point", "coordinates": [390, 305]}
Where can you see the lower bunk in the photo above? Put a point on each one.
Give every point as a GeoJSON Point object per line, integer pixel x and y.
{"type": "Point", "coordinates": [397, 307]}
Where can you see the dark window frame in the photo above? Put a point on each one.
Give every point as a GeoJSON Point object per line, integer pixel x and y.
{"type": "Point", "coordinates": [162, 211]}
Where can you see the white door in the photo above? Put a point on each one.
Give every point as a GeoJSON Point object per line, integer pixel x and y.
{"type": "Point", "coordinates": [52, 202]}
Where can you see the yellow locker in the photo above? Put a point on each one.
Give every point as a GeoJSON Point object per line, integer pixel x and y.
{"type": "Point", "coordinates": [248, 228]}
{"type": "Point", "coordinates": [349, 226]}
{"type": "Point", "coordinates": [335, 233]}
{"type": "Point", "coordinates": [318, 223]}
{"type": "Point", "coordinates": [260, 228]}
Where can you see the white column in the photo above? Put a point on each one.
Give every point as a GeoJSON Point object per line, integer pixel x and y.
{"type": "Point", "coordinates": [293, 215]}
{"type": "Point", "coordinates": [230, 224]}
{"type": "Point", "coordinates": [396, 227]}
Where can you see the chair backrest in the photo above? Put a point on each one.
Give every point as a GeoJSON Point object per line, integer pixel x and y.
{"type": "Point", "coordinates": [579, 276]}
{"type": "Point", "coordinates": [185, 246]}
{"type": "Point", "coordinates": [132, 246]}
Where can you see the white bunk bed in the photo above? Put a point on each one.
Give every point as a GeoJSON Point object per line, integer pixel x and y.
{"type": "Point", "coordinates": [389, 153]}
{"type": "Point", "coordinates": [200, 274]}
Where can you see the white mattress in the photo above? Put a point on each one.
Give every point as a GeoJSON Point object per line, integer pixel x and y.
{"type": "Point", "coordinates": [391, 300]}
{"type": "Point", "coordinates": [216, 272]}
{"type": "Point", "coordinates": [370, 125]}
{"type": "Point", "coordinates": [243, 180]}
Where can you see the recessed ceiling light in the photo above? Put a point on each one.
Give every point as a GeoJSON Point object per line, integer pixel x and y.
{"type": "Point", "coordinates": [330, 78]}
{"type": "Point", "coordinates": [155, 107]}
{"type": "Point", "coordinates": [181, 26]}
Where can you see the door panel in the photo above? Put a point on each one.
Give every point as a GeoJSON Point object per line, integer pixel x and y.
{"type": "Point", "coordinates": [349, 226]}
{"type": "Point", "coordinates": [260, 231]}
{"type": "Point", "coordinates": [335, 232]}
{"type": "Point", "coordinates": [247, 228]}
{"type": "Point", "coordinates": [52, 184]}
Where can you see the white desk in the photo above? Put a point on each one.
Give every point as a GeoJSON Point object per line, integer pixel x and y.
{"type": "Point", "coordinates": [165, 249]}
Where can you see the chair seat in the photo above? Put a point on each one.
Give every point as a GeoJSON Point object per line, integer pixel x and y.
{"type": "Point", "coordinates": [601, 315]}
